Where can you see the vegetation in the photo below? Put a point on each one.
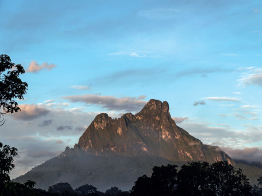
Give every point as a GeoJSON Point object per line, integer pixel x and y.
{"type": "Point", "coordinates": [202, 179]}
{"type": "Point", "coordinates": [11, 85]}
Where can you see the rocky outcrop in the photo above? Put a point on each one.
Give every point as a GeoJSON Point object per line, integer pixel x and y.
{"type": "Point", "coordinates": [150, 132]}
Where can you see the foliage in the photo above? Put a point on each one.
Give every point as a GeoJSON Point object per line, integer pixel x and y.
{"type": "Point", "coordinates": [10, 84]}
{"type": "Point", "coordinates": [86, 189]}
{"type": "Point", "coordinates": [217, 179]}
{"type": "Point", "coordinates": [7, 187]}
{"type": "Point", "coordinates": [6, 162]}
{"type": "Point", "coordinates": [61, 188]}
{"type": "Point", "coordinates": [113, 191]}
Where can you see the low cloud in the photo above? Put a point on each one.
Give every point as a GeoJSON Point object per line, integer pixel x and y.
{"type": "Point", "coordinates": [223, 99]}
{"type": "Point", "coordinates": [199, 103]}
{"type": "Point", "coordinates": [34, 67]}
{"type": "Point", "coordinates": [61, 128]}
{"type": "Point", "coordinates": [46, 123]}
{"type": "Point", "coordinates": [179, 119]}
{"type": "Point", "coordinates": [30, 112]}
{"type": "Point", "coordinates": [79, 87]}
{"type": "Point", "coordinates": [248, 154]}
{"type": "Point", "coordinates": [109, 102]}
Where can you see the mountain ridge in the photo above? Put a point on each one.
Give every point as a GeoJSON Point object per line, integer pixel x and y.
{"type": "Point", "coordinates": [151, 132]}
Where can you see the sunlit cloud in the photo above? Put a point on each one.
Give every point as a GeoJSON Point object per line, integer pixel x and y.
{"type": "Point", "coordinates": [30, 112]}
{"type": "Point", "coordinates": [34, 67]}
{"type": "Point", "coordinates": [109, 102]}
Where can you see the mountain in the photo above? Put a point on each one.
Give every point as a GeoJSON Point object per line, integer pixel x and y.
{"type": "Point", "coordinates": [150, 132]}
{"type": "Point", "coordinates": [115, 152]}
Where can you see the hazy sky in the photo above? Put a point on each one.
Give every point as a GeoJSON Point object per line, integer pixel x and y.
{"type": "Point", "coordinates": [86, 57]}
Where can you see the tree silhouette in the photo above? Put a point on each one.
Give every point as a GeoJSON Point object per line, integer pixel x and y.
{"type": "Point", "coordinates": [86, 189]}
{"type": "Point", "coordinates": [201, 179]}
{"type": "Point", "coordinates": [11, 86]}
{"type": "Point", "coordinates": [7, 187]}
{"type": "Point", "coordinates": [162, 182]}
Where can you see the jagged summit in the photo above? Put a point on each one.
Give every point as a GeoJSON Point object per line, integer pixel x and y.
{"type": "Point", "coordinates": [150, 132]}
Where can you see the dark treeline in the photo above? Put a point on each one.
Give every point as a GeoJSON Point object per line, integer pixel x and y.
{"type": "Point", "coordinates": [195, 178]}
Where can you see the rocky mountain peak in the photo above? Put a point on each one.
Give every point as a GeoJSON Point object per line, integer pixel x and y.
{"type": "Point", "coordinates": [155, 107]}
{"type": "Point", "coordinates": [150, 132]}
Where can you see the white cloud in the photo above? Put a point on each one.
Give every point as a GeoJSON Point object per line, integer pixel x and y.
{"type": "Point", "coordinates": [80, 87]}
{"type": "Point", "coordinates": [252, 79]}
{"type": "Point", "coordinates": [34, 67]}
{"type": "Point", "coordinates": [49, 101]}
{"type": "Point", "coordinates": [136, 55]}
{"type": "Point", "coordinates": [222, 99]}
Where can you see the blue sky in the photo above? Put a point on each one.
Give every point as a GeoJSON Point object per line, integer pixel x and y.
{"type": "Point", "coordinates": [86, 57]}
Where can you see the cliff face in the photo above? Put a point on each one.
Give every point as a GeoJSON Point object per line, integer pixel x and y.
{"type": "Point", "coordinates": [151, 132]}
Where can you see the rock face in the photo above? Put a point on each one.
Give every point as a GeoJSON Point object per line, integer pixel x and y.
{"type": "Point", "coordinates": [150, 132]}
